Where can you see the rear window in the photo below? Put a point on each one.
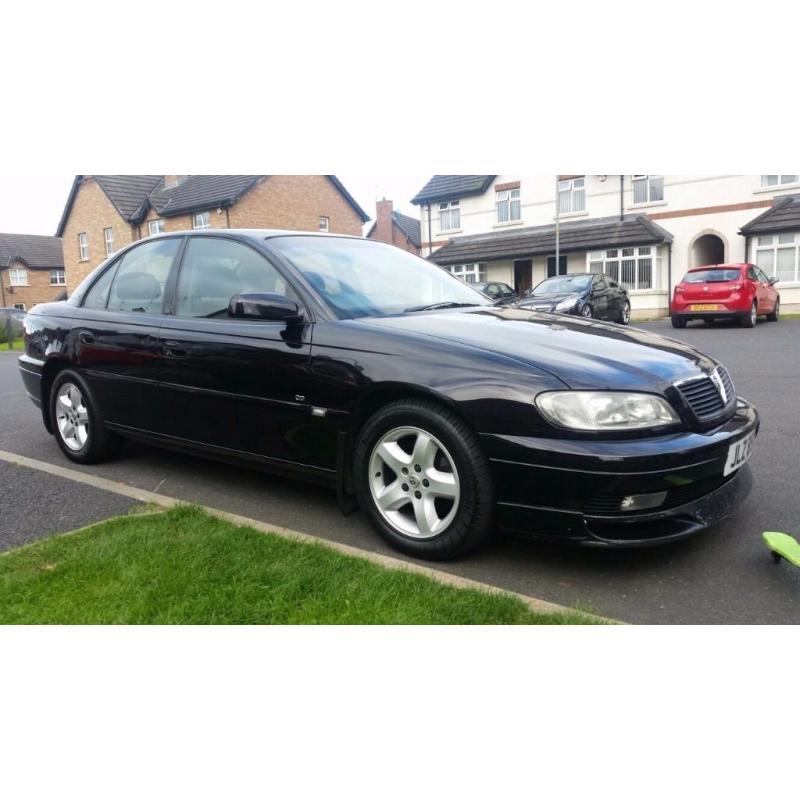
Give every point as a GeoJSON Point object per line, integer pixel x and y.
{"type": "Point", "coordinates": [712, 276]}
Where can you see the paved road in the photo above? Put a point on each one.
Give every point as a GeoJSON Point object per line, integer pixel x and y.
{"type": "Point", "coordinates": [723, 576]}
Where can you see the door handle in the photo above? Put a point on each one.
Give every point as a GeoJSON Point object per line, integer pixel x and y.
{"type": "Point", "coordinates": [173, 350]}
{"type": "Point", "coordinates": [85, 337]}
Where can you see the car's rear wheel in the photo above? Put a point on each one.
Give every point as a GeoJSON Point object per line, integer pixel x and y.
{"type": "Point", "coordinates": [625, 315]}
{"type": "Point", "coordinates": [749, 321]}
{"type": "Point", "coordinates": [423, 479]}
{"type": "Point", "coordinates": [77, 422]}
{"type": "Point", "coordinates": [678, 322]}
{"type": "Point", "coordinates": [776, 314]}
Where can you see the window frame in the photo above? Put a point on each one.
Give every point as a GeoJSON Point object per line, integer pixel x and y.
{"type": "Point", "coordinates": [774, 247]}
{"type": "Point", "coordinates": [479, 269]}
{"type": "Point", "coordinates": [83, 246]}
{"type": "Point", "coordinates": [452, 205]}
{"type": "Point", "coordinates": [62, 274]}
{"type": "Point", "coordinates": [197, 214]}
{"type": "Point", "coordinates": [15, 281]}
{"type": "Point", "coordinates": [570, 189]}
{"type": "Point", "coordinates": [159, 222]}
{"type": "Point", "coordinates": [327, 228]}
{"type": "Point", "coordinates": [108, 242]}
{"type": "Point", "coordinates": [508, 200]}
{"type": "Point", "coordinates": [20, 307]}
{"type": "Point", "coordinates": [779, 183]}
{"type": "Point", "coordinates": [654, 255]}
{"type": "Point", "coordinates": [648, 180]}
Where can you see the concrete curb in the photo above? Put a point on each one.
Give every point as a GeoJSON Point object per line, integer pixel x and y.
{"type": "Point", "coordinates": [390, 562]}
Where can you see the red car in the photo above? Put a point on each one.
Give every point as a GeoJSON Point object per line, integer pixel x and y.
{"type": "Point", "coordinates": [725, 291]}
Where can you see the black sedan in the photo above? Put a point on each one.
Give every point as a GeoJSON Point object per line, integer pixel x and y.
{"type": "Point", "coordinates": [501, 293]}
{"type": "Point", "coordinates": [583, 294]}
{"type": "Point", "coordinates": [355, 364]}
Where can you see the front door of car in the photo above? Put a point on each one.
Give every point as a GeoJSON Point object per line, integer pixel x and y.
{"type": "Point", "coordinates": [233, 383]}
{"type": "Point", "coordinates": [116, 333]}
{"type": "Point", "coordinates": [767, 294]}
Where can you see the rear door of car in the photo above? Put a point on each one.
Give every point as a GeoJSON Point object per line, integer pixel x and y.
{"type": "Point", "coordinates": [115, 333]}
{"type": "Point", "coordinates": [234, 384]}
{"type": "Point", "coordinates": [600, 297]}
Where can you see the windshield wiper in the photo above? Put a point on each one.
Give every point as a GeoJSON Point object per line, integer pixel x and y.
{"type": "Point", "coordinates": [433, 306]}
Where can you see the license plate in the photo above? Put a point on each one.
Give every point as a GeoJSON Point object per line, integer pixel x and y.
{"type": "Point", "coordinates": [738, 453]}
{"type": "Point", "coordinates": [704, 307]}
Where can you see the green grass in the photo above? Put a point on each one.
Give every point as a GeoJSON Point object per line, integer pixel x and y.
{"type": "Point", "coordinates": [19, 344]}
{"type": "Point", "coordinates": [186, 566]}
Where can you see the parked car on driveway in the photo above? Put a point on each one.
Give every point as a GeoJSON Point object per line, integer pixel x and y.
{"type": "Point", "coordinates": [501, 293]}
{"type": "Point", "coordinates": [358, 365]}
{"type": "Point", "coordinates": [582, 294]}
{"type": "Point", "coordinates": [727, 291]}
{"type": "Point", "coordinates": [15, 317]}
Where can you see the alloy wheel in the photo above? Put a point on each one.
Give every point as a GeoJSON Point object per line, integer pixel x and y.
{"type": "Point", "coordinates": [586, 312]}
{"type": "Point", "coordinates": [72, 416]}
{"type": "Point", "coordinates": [754, 314]}
{"type": "Point", "coordinates": [626, 313]}
{"type": "Point", "coordinates": [414, 482]}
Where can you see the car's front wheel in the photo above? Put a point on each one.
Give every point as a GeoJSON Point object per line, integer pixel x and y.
{"type": "Point", "coordinates": [776, 312]}
{"type": "Point", "coordinates": [423, 479]}
{"type": "Point", "coordinates": [77, 422]}
{"type": "Point", "coordinates": [625, 314]}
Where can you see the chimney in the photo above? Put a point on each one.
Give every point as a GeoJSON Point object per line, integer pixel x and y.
{"type": "Point", "coordinates": [170, 181]}
{"type": "Point", "coordinates": [384, 221]}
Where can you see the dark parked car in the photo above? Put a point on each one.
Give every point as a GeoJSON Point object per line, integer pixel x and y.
{"type": "Point", "coordinates": [501, 293]}
{"type": "Point", "coordinates": [358, 365]}
{"type": "Point", "coordinates": [14, 316]}
{"type": "Point", "coordinates": [583, 294]}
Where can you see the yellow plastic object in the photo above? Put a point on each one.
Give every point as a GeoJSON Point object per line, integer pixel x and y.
{"type": "Point", "coordinates": [783, 546]}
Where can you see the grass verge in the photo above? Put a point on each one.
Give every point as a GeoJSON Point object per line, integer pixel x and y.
{"type": "Point", "coordinates": [19, 344]}
{"type": "Point", "coordinates": [186, 566]}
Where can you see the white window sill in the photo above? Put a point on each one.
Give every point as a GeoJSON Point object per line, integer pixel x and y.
{"type": "Point", "coordinates": [19, 285]}
{"type": "Point", "coordinates": [454, 230]}
{"type": "Point", "coordinates": [653, 204]}
{"type": "Point", "coordinates": [82, 260]}
{"type": "Point", "coordinates": [778, 188]}
{"type": "Point", "coordinates": [511, 224]}
{"type": "Point", "coordinates": [572, 215]}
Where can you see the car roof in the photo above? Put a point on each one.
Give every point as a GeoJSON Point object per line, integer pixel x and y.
{"type": "Point", "coordinates": [718, 266]}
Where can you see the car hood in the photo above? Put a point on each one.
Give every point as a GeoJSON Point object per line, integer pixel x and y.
{"type": "Point", "coordinates": [584, 354]}
{"type": "Point", "coordinates": [549, 299]}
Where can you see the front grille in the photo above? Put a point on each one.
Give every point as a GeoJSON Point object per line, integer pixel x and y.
{"type": "Point", "coordinates": [607, 505]}
{"type": "Point", "coordinates": [703, 395]}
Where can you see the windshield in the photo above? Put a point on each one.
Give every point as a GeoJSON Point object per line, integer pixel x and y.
{"type": "Point", "coordinates": [362, 278]}
{"type": "Point", "coordinates": [712, 276]}
{"type": "Point", "coordinates": [563, 284]}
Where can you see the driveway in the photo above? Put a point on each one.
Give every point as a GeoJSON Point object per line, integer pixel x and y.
{"type": "Point", "coordinates": [722, 576]}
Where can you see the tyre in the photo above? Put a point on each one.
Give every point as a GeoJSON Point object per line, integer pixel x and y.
{"type": "Point", "coordinates": [77, 422]}
{"type": "Point", "coordinates": [625, 315]}
{"type": "Point", "coordinates": [750, 319]}
{"type": "Point", "coordinates": [776, 314]}
{"type": "Point", "coordinates": [423, 479]}
{"type": "Point", "coordinates": [586, 312]}
{"type": "Point", "coordinates": [678, 322]}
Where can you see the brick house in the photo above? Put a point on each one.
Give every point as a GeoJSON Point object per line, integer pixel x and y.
{"type": "Point", "coordinates": [395, 228]}
{"type": "Point", "coordinates": [106, 212]}
{"type": "Point", "coordinates": [31, 270]}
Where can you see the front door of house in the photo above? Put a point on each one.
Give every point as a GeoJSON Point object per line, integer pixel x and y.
{"type": "Point", "coordinates": [523, 276]}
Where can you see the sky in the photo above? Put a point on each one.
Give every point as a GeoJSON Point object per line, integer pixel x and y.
{"type": "Point", "coordinates": [33, 203]}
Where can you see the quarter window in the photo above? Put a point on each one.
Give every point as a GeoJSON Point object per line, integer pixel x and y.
{"type": "Point", "coordinates": [450, 215]}
{"type": "Point", "coordinates": [778, 180]}
{"type": "Point", "coordinates": [141, 277]}
{"type": "Point", "coordinates": [57, 277]}
{"type": "Point", "coordinates": [18, 276]}
{"type": "Point", "coordinates": [636, 268]}
{"type": "Point", "coordinates": [508, 205]}
{"type": "Point", "coordinates": [572, 195]}
{"type": "Point", "coordinates": [201, 221]}
{"type": "Point", "coordinates": [108, 238]}
{"type": "Point", "coordinates": [214, 270]}
{"type": "Point", "coordinates": [97, 296]}
{"type": "Point", "coordinates": [648, 188]}
{"type": "Point", "coordinates": [155, 226]}
{"type": "Point", "coordinates": [83, 246]}
{"type": "Point", "coordinates": [779, 256]}
{"type": "Point", "coordinates": [469, 273]}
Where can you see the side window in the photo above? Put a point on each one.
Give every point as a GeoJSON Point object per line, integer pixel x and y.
{"type": "Point", "coordinates": [761, 276]}
{"type": "Point", "coordinates": [142, 276]}
{"type": "Point", "coordinates": [751, 274]}
{"type": "Point", "coordinates": [214, 270]}
{"type": "Point", "coordinates": [97, 296]}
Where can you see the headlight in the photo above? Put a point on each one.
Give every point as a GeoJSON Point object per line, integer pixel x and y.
{"type": "Point", "coordinates": [605, 411]}
{"type": "Point", "coordinates": [566, 305]}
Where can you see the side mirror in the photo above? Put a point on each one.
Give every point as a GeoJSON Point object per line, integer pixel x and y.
{"type": "Point", "coordinates": [773, 281]}
{"type": "Point", "coordinates": [267, 306]}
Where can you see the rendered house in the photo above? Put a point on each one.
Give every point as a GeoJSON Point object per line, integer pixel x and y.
{"type": "Point", "coordinates": [643, 230]}
{"type": "Point", "coordinates": [106, 212]}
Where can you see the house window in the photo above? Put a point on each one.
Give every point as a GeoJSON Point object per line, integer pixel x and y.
{"type": "Point", "coordinates": [155, 226]}
{"type": "Point", "coordinates": [57, 277]}
{"type": "Point", "coordinates": [18, 276]}
{"type": "Point", "coordinates": [108, 238]}
{"type": "Point", "coordinates": [19, 306]}
{"type": "Point", "coordinates": [778, 180]}
{"type": "Point", "coordinates": [83, 246]}
{"type": "Point", "coordinates": [636, 268]}
{"type": "Point", "coordinates": [324, 224]}
{"type": "Point", "coordinates": [469, 273]}
{"type": "Point", "coordinates": [648, 188]}
{"type": "Point", "coordinates": [572, 195]}
{"type": "Point", "coordinates": [508, 206]}
{"type": "Point", "coordinates": [779, 256]}
{"type": "Point", "coordinates": [450, 215]}
{"type": "Point", "coordinates": [201, 221]}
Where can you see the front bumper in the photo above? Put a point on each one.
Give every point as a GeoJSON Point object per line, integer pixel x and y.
{"type": "Point", "coordinates": [572, 490]}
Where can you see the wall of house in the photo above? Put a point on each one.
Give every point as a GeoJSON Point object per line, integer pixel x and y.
{"type": "Point", "coordinates": [91, 212]}
{"type": "Point", "coordinates": [37, 291]}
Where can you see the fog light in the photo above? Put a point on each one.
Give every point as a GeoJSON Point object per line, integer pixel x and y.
{"type": "Point", "coordinates": [638, 502]}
